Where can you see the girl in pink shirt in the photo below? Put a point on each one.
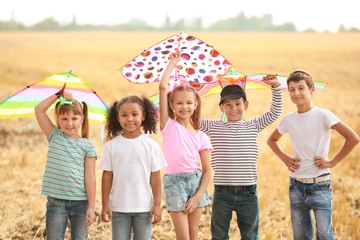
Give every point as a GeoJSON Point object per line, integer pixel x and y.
{"type": "Point", "coordinates": [186, 151]}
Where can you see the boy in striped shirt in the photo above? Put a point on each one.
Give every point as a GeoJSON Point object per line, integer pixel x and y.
{"type": "Point", "coordinates": [234, 160]}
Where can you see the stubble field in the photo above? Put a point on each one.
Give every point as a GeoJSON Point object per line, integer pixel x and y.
{"type": "Point", "coordinates": [27, 57]}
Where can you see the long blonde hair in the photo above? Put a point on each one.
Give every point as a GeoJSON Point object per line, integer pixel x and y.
{"type": "Point", "coordinates": [196, 116]}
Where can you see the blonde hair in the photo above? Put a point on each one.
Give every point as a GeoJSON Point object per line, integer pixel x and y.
{"type": "Point", "coordinates": [78, 109]}
{"type": "Point", "coordinates": [196, 116]}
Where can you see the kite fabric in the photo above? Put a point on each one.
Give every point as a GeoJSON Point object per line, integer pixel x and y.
{"type": "Point", "coordinates": [22, 103]}
{"type": "Point", "coordinates": [252, 81]}
{"type": "Point", "coordinates": [199, 62]}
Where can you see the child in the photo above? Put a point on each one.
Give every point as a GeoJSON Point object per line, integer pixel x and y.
{"type": "Point", "coordinates": [186, 151]}
{"type": "Point", "coordinates": [309, 129]}
{"type": "Point", "coordinates": [131, 160]}
{"type": "Point", "coordinates": [234, 160]}
{"type": "Point", "coordinates": [69, 179]}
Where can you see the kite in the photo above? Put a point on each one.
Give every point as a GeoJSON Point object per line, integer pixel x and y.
{"type": "Point", "coordinates": [254, 81]}
{"type": "Point", "coordinates": [22, 103]}
{"type": "Point", "coordinates": [199, 62]}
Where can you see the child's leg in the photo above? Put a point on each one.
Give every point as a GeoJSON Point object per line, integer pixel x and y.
{"type": "Point", "coordinates": [78, 209]}
{"type": "Point", "coordinates": [56, 218]}
{"type": "Point", "coordinates": [221, 214]}
{"type": "Point", "coordinates": [321, 204]}
{"type": "Point", "coordinates": [247, 211]}
{"type": "Point", "coordinates": [194, 220]}
{"type": "Point", "coordinates": [121, 225]}
{"type": "Point", "coordinates": [181, 224]}
{"type": "Point", "coordinates": [141, 226]}
{"type": "Point", "coordinates": [301, 218]}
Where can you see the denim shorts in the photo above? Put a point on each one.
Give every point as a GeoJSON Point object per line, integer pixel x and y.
{"type": "Point", "coordinates": [179, 188]}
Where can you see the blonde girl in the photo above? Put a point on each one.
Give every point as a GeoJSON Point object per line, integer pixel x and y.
{"type": "Point", "coordinates": [186, 150]}
{"type": "Point", "coordinates": [69, 179]}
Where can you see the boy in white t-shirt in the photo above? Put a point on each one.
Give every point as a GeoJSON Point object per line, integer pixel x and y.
{"type": "Point", "coordinates": [309, 129]}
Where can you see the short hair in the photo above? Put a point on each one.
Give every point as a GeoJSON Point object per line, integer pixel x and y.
{"type": "Point", "coordinates": [298, 75]}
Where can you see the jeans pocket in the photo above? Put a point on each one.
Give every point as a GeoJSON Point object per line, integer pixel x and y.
{"type": "Point", "coordinates": [251, 191]}
{"type": "Point", "coordinates": [291, 183]}
{"type": "Point", "coordinates": [219, 190]}
{"type": "Point", "coordinates": [169, 180]}
{"type": "Point", "coordinates": [54, 202]}
{"type": "Point", "coordinates": [324, 185]}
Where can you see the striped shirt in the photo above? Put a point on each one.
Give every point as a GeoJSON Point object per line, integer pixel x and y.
{"type": "Point", "coordinates": [64, 176]}
{"type": "Point", "coordinates": [235, 153]}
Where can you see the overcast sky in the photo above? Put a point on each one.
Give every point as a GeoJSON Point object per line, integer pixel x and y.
{"type": "Point", "coordinates": [320, 15]}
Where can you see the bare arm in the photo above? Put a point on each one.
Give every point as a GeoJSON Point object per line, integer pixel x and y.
{"type": "Point", "coordinates": [106, 184]}
{"type": "Point", "coordinates": [90, 183]}
{"type": "Point", "coordinates": [155, 182]}
{"type": "Point", "coordinates": [40, 112]}
{"type": "Point", "coordinates": [351, 140]}
{"type": "Point", "coordinates": [291, 163]}
{"type": "Point", "coordinates": [191, 205]}
{"type": "Point", "coordinates": [43, 119]}
{"type": "Point", "coordinates": [163, 86]}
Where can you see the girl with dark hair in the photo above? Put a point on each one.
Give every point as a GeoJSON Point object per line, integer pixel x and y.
{"type": "Point", "coordinates": [131, 160]}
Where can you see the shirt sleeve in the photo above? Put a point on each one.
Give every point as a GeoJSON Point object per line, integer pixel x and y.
{"type": "Point", "coordinates": [205, 142]}
{"type": "Point", "coordinates": [274, 112]}
{"type": "Point", "coordinates": [158, 160]}
{"type": "Point", "coordinates": [91, 150]}
{"type": "Point", "coordinates": [105, 162]}
{"type": "Point", "coordinates": [330, 118]}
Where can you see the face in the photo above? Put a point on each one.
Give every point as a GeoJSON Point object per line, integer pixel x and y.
{"type": "Point", "coordinates": [130, 118]}
{"type": "Point", "coordinates": [300, 93]}
{"type": "Point", "coordinates": [70, 123]}
{"type": "Point", "coordinates": [234, 109]}
{"type": "Point", "coordinates": [183, 104]}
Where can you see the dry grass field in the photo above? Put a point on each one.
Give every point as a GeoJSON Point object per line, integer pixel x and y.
{"type": "Point", "coordinates": [27, 57]}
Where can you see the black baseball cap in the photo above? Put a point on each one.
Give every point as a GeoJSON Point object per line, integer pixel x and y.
{"type": "Point", "coordinates": [232, 92]}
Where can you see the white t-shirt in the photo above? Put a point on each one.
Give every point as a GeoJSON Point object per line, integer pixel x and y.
{"type": "Point", "coordinates": [310, 134]}
{"type": "Point", "coordinates": [131, 161]}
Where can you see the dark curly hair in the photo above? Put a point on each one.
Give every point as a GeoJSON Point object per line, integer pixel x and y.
{"type": "Point", "coordinates": [149, 124]}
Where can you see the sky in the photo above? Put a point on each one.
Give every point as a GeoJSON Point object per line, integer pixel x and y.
{"type": "Point", "coordinates": [321, 15]}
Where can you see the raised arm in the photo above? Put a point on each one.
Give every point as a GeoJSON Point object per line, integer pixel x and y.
{"type": "Point", "coordinates": [163, 86]}
{"type": "Point", "coordinates": [43, 119]}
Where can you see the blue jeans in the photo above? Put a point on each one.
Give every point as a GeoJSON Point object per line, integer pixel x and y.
{"type": "Point", "coordinates": [58, 213]}
{"type": "Point", "coordinates": [122, 223]}
{"type": "Point", "coordinates": [305, 198]}
{"type": "Point", "coordinates": [241, 199]}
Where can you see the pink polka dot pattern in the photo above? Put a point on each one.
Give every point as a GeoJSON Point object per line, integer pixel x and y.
{"type": "Point", "coordinates": [199, 62]}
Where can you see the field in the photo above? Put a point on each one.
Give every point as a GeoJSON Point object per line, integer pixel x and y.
{"type": "Point", "coordinates": [27, 57]}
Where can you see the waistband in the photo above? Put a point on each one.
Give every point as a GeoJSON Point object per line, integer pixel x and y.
{"type": "Point", "coordinates": [243, 188]}
{"type": "Point", "coordinates": [197, 173]}
{"type": "Point", "coordinates": [313, 180]}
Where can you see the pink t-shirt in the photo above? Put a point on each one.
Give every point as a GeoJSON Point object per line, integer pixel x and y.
{"type": "Point", "coordinates": [181, 148]}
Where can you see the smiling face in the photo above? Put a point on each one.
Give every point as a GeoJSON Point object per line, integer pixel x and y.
{"type": "Point", "coordinates": [234, 109]}
{"type": "Point", "coordinates": [70, 123]}
{"type": "Point", "coordinates": [183, 104]}
{"type": "Point", "coordinates": [301, 95]}
{"type": "Point", "coordinates": [130, 118]}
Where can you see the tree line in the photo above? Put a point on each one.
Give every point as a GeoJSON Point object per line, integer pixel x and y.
{"type": "Point", "coordinates": [237, 23]}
